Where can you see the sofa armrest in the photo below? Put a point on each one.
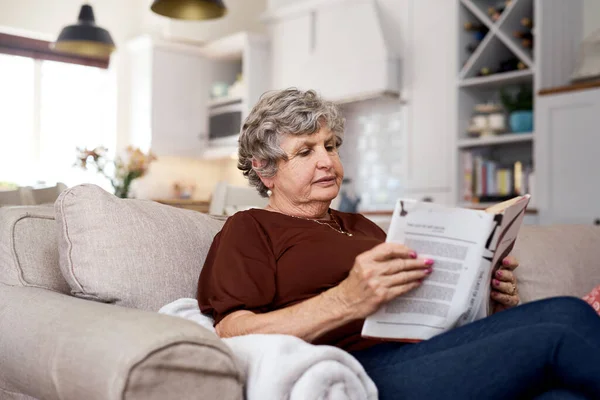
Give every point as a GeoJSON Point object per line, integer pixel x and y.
{"type": "Point", "coordinates": [53, 346]}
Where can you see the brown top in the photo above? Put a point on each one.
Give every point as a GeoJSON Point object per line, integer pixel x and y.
{"type": "Point", "coordinates": [263, 261]}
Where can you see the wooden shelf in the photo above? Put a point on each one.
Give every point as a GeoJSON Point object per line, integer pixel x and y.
{"type": "Point", "coordinates": [188, 204]}
{"type": "Point", "coordinates": [498, 80]}
{"type": "Point", "coordinates": [225, 101]}
{"type": "Point", "coordinates": [570, 88]}
{"type": "Point", "coordinates": [507, 138]}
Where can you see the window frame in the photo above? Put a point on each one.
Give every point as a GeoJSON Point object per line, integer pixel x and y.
{"type": "Point", "coordinates": [40, 50]}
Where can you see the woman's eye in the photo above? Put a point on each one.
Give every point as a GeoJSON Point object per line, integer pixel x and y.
{"type": "Point", "coordinates": [304, 153]}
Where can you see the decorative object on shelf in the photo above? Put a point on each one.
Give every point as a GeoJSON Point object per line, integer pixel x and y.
{"type": "Point", "coordinates": [191, 10]}
{"type": "Point", "coordinates": [85, 37]}
{"type": "Point", "coordinates": [133, 164]}
{"type": "Point", "coordinates": [183, 190]}
{"type": "Point", "coordinates": [238, 88]}
{"type": "Point", "coordinates": [219, 90]}
{"type": "Point", "coordinates": [520, 108]}
{"type": "Point", "coordinates": [588, 63]}
{"type": "Point", "coordinates": [488, 119]}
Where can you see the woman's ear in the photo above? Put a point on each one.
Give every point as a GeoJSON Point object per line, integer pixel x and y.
{"type": "Point", "coordinates": [268, 182]}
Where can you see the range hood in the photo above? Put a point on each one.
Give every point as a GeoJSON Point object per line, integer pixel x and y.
{"type": "Point", "coordinates": [352, 53]}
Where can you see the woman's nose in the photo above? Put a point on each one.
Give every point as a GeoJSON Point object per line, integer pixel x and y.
{"type": "Point", "coordinates": [324, 159]}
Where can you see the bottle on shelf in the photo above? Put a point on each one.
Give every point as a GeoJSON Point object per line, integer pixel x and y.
{"type": "Point", "coordinates": [485, 71]}
{"type": "Point", "coordinates": [478, 30]}
{"type": "Point", "coordinates": [512, 64]}
{"type": "Point", "coordinates": [471, 47]}
{"type": "Point", "coordinates": [523, 34]}
{"type": "Point", "coordinates": [527, 22]}
{"type": "Point", "coordinates": [495, 12]}
{"type": "Point", "coordinates": [527, 43]}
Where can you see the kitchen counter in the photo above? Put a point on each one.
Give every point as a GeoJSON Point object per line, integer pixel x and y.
{"type": "Point", "coordinates": [570, 88]}
{"type": "Point", "coordinates": [188, 204]}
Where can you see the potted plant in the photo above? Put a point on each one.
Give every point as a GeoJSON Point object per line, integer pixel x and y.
{"type": "Point", "coordinates": [126, 168]}
{"type": "Point", "coordinates": [519, 107]}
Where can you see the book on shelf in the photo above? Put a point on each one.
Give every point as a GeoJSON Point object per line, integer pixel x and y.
{"type": "Point", "coordinates": [467, 247]}
{"type": "Point", "coordinates": [488, 180]}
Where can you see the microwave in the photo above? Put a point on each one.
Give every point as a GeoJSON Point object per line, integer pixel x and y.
{"type": "Point", "coordinates": [224, 125]}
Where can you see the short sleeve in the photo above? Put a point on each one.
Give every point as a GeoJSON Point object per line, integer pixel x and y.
{"type": "Point", "coordinates": [239, 271]}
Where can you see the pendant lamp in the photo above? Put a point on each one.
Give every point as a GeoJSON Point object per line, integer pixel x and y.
{"type": "Point", "coordinates": [85, 38]}
{"type": "Point", "coordinates": [189, 9]}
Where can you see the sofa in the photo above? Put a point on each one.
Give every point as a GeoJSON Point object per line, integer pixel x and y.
{"type": "Point", "coordinates": [81, 282]}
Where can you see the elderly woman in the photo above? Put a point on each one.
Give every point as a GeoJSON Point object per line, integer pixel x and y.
{"type": "Point", "coordinates": [297, 267]}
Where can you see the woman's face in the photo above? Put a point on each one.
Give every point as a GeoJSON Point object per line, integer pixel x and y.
{"type": "Point", "coordinates": [313, 171]}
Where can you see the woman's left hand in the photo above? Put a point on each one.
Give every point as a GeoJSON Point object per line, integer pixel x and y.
{"type": "Point", "coordinates": [505, 293]}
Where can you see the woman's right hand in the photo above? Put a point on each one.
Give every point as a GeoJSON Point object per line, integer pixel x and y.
{"type": "Point", "coordinates": [380, 275]}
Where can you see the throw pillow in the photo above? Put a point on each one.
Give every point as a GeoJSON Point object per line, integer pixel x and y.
{"type": "Point", "coordinates": [134, 253]}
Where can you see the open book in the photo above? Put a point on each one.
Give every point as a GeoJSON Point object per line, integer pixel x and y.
{"type": "Point", "coordinates": [467, 245]}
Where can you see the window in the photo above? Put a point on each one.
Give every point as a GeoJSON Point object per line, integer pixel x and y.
{"type": "Point", "coordinates": [17, 118]}
{"type": "Point", "coordinates": [47, 109]}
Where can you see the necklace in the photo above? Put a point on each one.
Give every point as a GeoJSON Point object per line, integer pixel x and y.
{"type": "Point", "coordinates": [339, 229]}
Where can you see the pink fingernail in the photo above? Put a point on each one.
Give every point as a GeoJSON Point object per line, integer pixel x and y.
{"type": "Point", "coordinates": [496, 282]}
{"type": "Point", "coordinates": [428, 261]}
{"type": "Point", "coordinates": [498, 274]}
{"type": "Point", "coordinates": [505, 261]}
{"type": "Point", "coordinates": [412, 254]}
{"type": "Point", "coordinates": [429, 270]}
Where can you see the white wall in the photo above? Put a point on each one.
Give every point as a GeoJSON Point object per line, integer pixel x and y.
{"type": "Point", "coordinates": [591, 16]}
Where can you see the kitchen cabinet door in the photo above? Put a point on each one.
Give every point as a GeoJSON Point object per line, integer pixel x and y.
{"type": "Point", "coordinates": [169, 95]}
{"type": "Point", "coordinates": [291, 51]}
{"type": "Point", "coordinates": [348, 60]}
{"type": "Point", "coordinates": [179, 103]}
{"type": "Point", "coordinates": [567, 160]}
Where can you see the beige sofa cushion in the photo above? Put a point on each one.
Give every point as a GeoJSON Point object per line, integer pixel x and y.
{"type": "Point", "coordinates": [560, 260]}
{"type": "Point", "coordinates": [135, 253]}
{"type": "Point", "coordinates": [29, 248]}
{"type": "Point", "coordinates": [55, 347]}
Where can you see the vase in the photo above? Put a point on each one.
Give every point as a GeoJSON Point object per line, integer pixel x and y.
{"type": "Point", "coordinates": [521, 121]}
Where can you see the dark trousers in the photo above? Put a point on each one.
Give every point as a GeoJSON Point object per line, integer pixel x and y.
{"type": "Point", "coordinates": [548, 349]}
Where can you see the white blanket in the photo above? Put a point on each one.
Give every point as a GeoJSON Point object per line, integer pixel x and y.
{"type": "Point", "coordinates": [282, 367]}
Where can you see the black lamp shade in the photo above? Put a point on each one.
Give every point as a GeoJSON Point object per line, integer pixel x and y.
{"type": "Point", "coordinates": [85, 38]}
{"type": "Point", "coordinates": [192, 10]}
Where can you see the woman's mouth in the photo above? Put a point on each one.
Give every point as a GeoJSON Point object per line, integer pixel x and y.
{"type": "Point", "coordinates": [326, 181]}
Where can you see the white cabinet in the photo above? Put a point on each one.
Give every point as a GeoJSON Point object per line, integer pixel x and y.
{"type": "Point", "coordinates": [319, 46]}
{"type": "Point", "coordinates": [291, 52]}
{"type": "Point", "coordinates": [168, 98]}
{"type": "Point", "coordinates": [566, 151]}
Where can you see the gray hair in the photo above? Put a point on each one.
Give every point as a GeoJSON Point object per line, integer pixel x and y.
{"type": "Point", "coordinates": [276, 114]}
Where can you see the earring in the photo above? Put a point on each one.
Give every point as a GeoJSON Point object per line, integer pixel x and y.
{"type": "Point", "coordinates": [269, 192]}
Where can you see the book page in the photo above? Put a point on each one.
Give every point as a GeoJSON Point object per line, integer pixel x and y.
{"type": "Point", "coordinates": [454, 238]}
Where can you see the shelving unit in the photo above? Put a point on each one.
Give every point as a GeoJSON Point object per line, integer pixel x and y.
{"type": "Point", "coordinates": [556, 36]}
{"type": "Point", "coordinates": [501, 151]}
